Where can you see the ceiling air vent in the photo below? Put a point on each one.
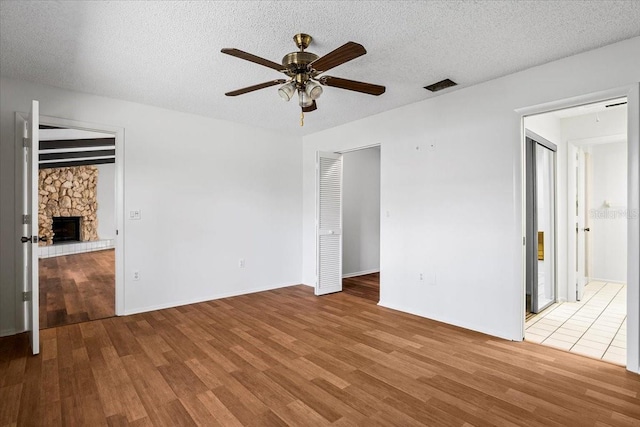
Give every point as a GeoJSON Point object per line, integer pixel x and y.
{"type": "Point", "coordinates": [441, 85]}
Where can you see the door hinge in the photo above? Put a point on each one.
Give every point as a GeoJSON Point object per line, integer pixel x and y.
{"type": "Point", "coordinates": [26, 296]}
{"type": "Point", "coordinates": [116, 232]}
{"type": "Point", "coordinates": [25, 142]}
{"type": "Point", "coordinates": [524, 240]}
{"type": "Point", "coordinates": [26, 219]}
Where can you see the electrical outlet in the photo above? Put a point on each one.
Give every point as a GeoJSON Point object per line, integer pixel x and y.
{"type": "Point", "coordinates": [136, 275]}
{"type": "Point", "coordinates": [421, 276]}
{"type": "Point", "coordinates": [241, 263]}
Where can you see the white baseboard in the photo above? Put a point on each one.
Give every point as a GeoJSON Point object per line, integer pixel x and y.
{"type": "Point", "coordinates": [418, 313]}
{"type": "Point", "coordinates": [205, 298]}
{"type": "Point", "coordinates": [360, 273]}
{"type": "Point", "coordinates": [7, 332]}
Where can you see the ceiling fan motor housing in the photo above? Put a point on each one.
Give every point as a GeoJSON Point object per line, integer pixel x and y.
{"type": "Point", "coordinates": [297, 62]}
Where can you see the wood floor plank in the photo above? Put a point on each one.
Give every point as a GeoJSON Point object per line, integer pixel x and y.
{"type": "Point", "coordinates": [287, 357]}
{"type": "Point", "coordinates": [76, 288]}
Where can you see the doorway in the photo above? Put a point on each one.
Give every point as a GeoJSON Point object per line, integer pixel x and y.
{"type": "Point", "coordinates": [361, 223]}
{"type": "Point", "coordinates": [77, 227]}
{"type": "Point", "coordinates": [348, 205]}
{"type": "Point", "coordinates": [590, 316]}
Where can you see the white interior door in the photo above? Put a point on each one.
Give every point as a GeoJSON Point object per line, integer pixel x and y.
{"type": "Point", "coordinates": [581, 229]}
{"type": "Point", "coordinates": [328, 223]}
{"type": "Point", "coordinates": [30, 225]}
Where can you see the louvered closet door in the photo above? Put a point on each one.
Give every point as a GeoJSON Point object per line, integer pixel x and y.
{"type": "Point", "coordinates": [329, 223]}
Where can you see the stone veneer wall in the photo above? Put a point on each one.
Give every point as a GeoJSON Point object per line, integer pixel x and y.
{"type": "Point", "coordinates": [68, 192]}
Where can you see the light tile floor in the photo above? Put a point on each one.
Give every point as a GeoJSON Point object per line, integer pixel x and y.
{"type": "Point", "coordinates": [596, 326]}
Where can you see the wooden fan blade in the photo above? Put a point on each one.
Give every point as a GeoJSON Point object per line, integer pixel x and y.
{"type": "Point", "coordinates": [368, 88]}
{"type": "Point", "coordinates": [253, 58]}
{"type": "Point", "coordinates": [310, 108]}
{"type": "Point", "coordinates": [344, 53]}
{"type": "Point", "coordinates": [255, 87]}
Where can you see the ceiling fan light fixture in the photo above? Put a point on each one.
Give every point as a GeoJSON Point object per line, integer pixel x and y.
{"type": "Point", "coordinates": [313, 90]}
{"type": "Point", "coordinates": [302, 69]}
{"type": "Point", "coordinates": [287, 90]}
{"type": "Point", "coordinates": [304, 100]}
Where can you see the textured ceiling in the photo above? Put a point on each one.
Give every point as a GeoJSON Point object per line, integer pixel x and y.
{"type": "Point", "coordinates": [167, 53]}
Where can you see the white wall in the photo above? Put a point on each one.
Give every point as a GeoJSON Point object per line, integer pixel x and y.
{"type": "Point", "coordinates": [106, 194]}
{"type": "Point", "coordinates": [451, 183]}
{"type": "Point", "coordinates": [609, 224]}
{"type": "Point", "coordinates": [361, 212]}
{"type": "Point", "coordinates": [208, 191]}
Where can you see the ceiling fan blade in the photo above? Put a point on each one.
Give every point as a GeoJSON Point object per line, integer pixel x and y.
{"type": "Point", "coordinates": [310, 108]}
{"type": "Point", "coordinates": [344, 53]}
{"type": "Point", "coordinates": [255, 87]}
{"type": "Point", "coordinates": [253, 58]}
{"type": "Point", "coordinates": [368, 88]}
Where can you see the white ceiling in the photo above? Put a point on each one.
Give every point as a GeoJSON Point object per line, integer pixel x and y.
{"type": "Point", "coordinates": [167, 53]}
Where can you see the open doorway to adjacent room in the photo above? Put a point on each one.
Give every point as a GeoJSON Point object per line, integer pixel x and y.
{"type": "Point", "coordinates": [583, 256]}
{"type": "Point", "coordinates": [361, 223]}
{"type": "Point", "coordinates": [77, 226]}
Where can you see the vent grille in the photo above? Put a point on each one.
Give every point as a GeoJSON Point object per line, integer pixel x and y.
{"type": "Point", "coordinates": [443, 84]}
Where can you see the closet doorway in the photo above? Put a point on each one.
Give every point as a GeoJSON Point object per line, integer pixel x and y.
{"type": "Point", "coordinates": [361, 223]}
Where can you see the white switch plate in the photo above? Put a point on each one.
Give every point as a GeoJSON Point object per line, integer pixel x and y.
{"type": "Point", "coordinates": [135, 215]}
{"type": "Point", "coordinates": [431, 279]}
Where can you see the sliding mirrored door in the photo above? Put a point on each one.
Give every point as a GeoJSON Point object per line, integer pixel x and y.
{"type": "Point", "coordinates": [541, 223]}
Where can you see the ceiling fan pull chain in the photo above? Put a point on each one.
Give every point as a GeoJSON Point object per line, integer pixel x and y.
{"type": "Point", "coordinates": [301, 118]}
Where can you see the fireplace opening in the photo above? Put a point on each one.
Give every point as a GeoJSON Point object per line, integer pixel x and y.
{"type": "Point", "coordinates": [66, 229]}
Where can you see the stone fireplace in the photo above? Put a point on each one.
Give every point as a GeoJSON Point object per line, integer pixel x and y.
{"type": "Point", "coordinates": [67, 193]}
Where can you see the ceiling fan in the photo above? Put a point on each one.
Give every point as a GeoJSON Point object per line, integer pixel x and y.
{"type": "Point", "coordinates": [304, 69]}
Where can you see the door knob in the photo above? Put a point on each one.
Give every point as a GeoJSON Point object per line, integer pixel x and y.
{"type": "Point", "coordinates": [587, 229]}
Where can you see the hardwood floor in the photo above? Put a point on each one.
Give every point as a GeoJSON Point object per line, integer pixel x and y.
{"type": "Point", "coordinates": [77, 288]}
{"type": "Point", "coordinates": [366, 286]}
{"type": "Point", "coordinates": [286, 357]}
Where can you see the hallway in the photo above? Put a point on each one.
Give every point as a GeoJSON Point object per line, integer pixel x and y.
{"type": "Point", "coordinates": [595, 327]}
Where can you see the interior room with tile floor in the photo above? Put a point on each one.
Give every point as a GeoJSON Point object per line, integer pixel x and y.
{"type": "Point", "coordinates": [596, 326]}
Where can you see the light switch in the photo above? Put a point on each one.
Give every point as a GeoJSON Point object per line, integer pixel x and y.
{"type": "Point", "coordinates": [134, 214]}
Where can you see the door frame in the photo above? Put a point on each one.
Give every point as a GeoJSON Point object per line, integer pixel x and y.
{"type": "Point", "coordinates": [632, 92]}
{"type": "Point", "coordinates": [118, 133]}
